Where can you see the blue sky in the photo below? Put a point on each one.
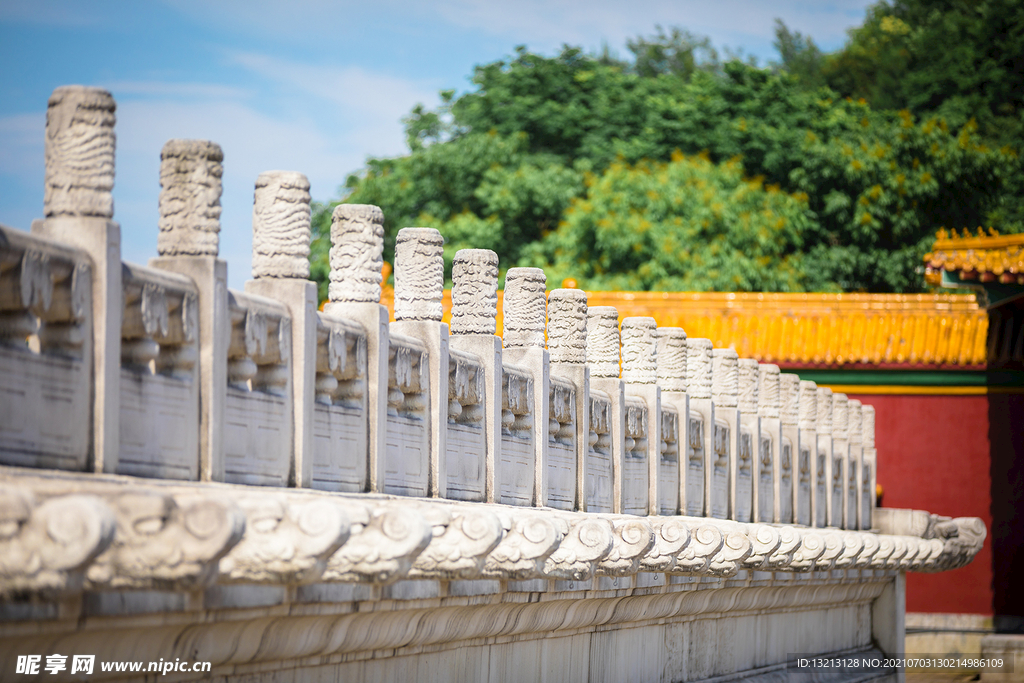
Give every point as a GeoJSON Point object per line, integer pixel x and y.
{"type": "Point", "coordinates": [305, 85]}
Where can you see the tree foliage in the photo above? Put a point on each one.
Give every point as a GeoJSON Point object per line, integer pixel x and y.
{"type": "Point", "coordinates": [541, 159]}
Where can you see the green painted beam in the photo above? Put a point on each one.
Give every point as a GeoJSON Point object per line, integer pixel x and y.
{"type": "Point", "coordinates": [915, 378]}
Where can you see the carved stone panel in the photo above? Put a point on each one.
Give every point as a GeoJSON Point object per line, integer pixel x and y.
{"type": "Point", "coordinates": [787, 469]}
{"type": "Point", "coordinates": [804, 486]}
{"type": "Point", "coordinates": [600, 491]}
{"type": "Point", "coordinates": [765, 480]}
{"type": "Point", "coordinates": [339, 448]}
{"type": "Point", "coordinates": [466, 464]}
{"type": "Point", "coordinates": [743, 511]}
{"type": "Point", "coordinates": [719, 503]}
{"type": "Point", "coordinates": [695, 465]}
{"type": "Point", "coordinates": [561, 470]}
{"type": "Point", "coordinates": [517, 451]}
{"type": "Point", "coordinates": [635, 489]}
{"type": "Point", "coordinates": [47, 410]}
{"type": "Point", "coordinates": [159, 432]}
{"type": "Point", "coordinates": [257, 443]}
{"type": "Point", "coordinates": [668, 468]}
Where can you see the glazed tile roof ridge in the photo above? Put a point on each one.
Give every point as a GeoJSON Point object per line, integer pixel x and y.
{"type": "Point", "coordinates": [814, 330]}
{"type": "Point", "coordinates": [986, 258]}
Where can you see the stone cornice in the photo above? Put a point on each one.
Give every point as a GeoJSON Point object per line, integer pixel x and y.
{"type": "Point", "coordinates": [152, 534]}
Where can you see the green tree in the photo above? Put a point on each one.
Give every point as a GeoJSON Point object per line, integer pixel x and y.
{"type": "Point", "coordinates": [688, 224]}
{"type": "Point", "coordinates": [958, 59]}
{"type": "Point", "coordinates": [500, 166]}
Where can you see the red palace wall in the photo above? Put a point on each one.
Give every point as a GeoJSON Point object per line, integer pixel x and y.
{"type": "Point", "coordinates": [959, 456]}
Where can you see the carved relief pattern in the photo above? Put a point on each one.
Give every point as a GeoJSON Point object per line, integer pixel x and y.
{"type": "Point", "coordinates": [79, 153]}
{"type": "Point", "coordinates": [698, 368]}
{"type": "Point", "coordinates": [287, 539]}
{"type": "Point", "coordinates": [671, 358]}
{"type": "Point", "coordinates": [517, 403]}
{"type": "Point", "coordinates": [867, 425]}
{"type": "Point", "coordinates": [164, 542]}
{"type": "Point", "coordinates": [528, 541]}
{"type": "Point", "coordinates": [190, 191]}
{"type": "Point", "coordinates": [603, 341]}
{"type": "Point", "coordinates": [808, 405]}
{"type": "Point", "coordinates": [789, 390]}
{"type": "Point", "coordinates": [419, 274]}
{"type": "Point", "coordinates": [584, 542]}
{"type": "Point", "coordinates": [465, 389]}
{"type": "Point", "coordinates": [524, 308]}
{"type": "Point", "coordinates": [460, 544]}
{"type": "Point", "coordinates": [357, 239]}
{"type": "Point", "coordinates": [725, 377]}
{"type": "Point", "coordinates": [567, 326]}
{"type": "Point", "coordinates": [562, 412]}
{"type": "Point", "coordinates": [824, 410]}
{"type": "Point", "coordinates": [639, 350]}
{"type": "Point", "coordinates": [474, 292]}
{"type": "Point", "coordinates": [44, 547]}
{"type": "Point", "coordinates": [768, 391]}
{"type": "Point", "coordinates": [748, 379]}
{"type": "Point", "coordinates": [280, 225]}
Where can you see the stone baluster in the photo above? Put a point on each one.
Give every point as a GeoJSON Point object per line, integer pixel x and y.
{"type": "Point", "coordinates": [524, 306]}
{"type": "Point", "coordinates": [851, 518]}
{"type": "Point", "coordinates": [419, 287]}
{"type": "Point", "coordinates": [701, 430]}
{"type": "Point", "coordinates": [770, 456]}
{"type": "Point", "coordinates": [672, 372]}
{"type": "Point", "coordinates": [746, 473]}
{"type": "Point", "coordinates": [640, 374]}
{"type": "Point", "coordinates": [567, 347]}
{"type": "Point", "coordinates": [724, 501]}
{"type": "Point", "coordinates": [822, 462]}
{"type": "Point", "coordinates": [190, 189]}
{"type": "Point", "coordinates": [840, 459]}
{"type": "Point", "coordinates": [78, 207]}
{"type": "Point", "coordinates": [788, 453]}
{"type": "Point", "coordinates": [281, 237]}
{"type": "Point", "coordinates": [357, 246]}
{"type": "Point", "coordinates": [805, 466]}
{"type": "Point", "coordinates": [870, 461]}
{"type": "Point", "coordinates": [602, 355]}
{"type": "Point", "coordinates": [474, 322]}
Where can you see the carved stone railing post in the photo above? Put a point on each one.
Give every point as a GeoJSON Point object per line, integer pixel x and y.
{"type": "Point", "coordinates": [474, 322]}
{"type": "Point", "coordinates": [851, 519]}
{"type": "Point", "coordinates": [78, 207]}
{"type": "Point", "coordinates": [672, 371]}
{"type": "Point", "coordinates": [524, 309]}
{"type": "Point", "coordinates": [729, 499]}
{"type": "Point", "coordinates": [823, 461]}
{"type": "Point", "coordinates": [748, 462]}
{"type": "Point", "coordinates": [603, 349]}
{"type": "Point", "coordinates": [840, 459]}
{"type": "Point", "coordinates": [805, 466]}
{"type": "Point", "coordinates": [869, 462]}
{"type": "Point", "coordinates": [640, 374]}
{"type": "Point", "coordinates": [773, 465]}
{"type": "Point", "coordinates": [190, 189]}
{"type": "Point", "coordinates": [567, 348]}
{"type": "Point", "coordinates": [280, 267]}
{"type": "Point", "coordinates": [789, 471]}
{"type": "Point", "coordinates": [357, 247]}
{"type": "Point", "coordinates": [419, 286]}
